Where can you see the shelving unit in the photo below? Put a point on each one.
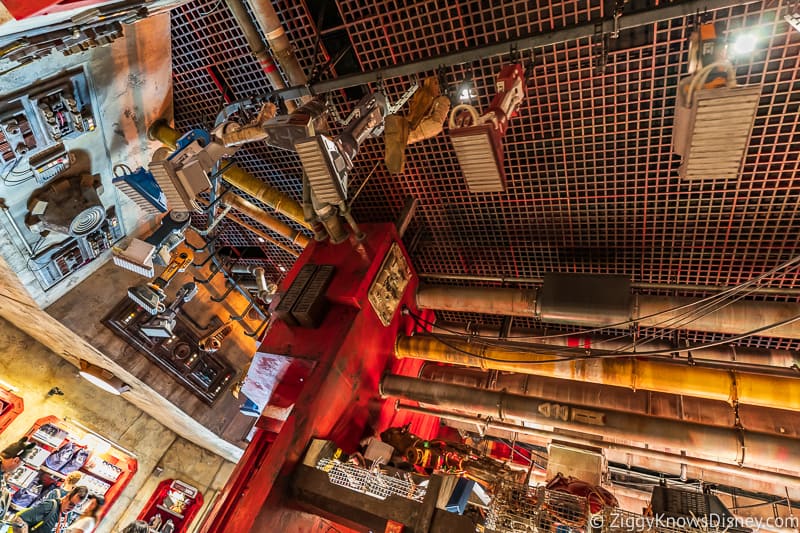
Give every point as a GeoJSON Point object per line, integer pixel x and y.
{"type": "Point", "coordinates": [106, 470]}
{"type": "Point", "coordinates": [169, 494]}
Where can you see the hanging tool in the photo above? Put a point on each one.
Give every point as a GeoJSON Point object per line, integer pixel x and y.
{"type": "Point", "coordinates": [151, 296]}
{"type": "Point", "coordinates": [163, 324]}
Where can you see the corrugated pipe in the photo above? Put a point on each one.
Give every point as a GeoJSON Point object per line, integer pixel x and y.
{"type": "Point", "coordinates": [783, 480]}
{"type": "Point", "coordinates": [737, 317]}
{"type": "Point", "coordinates": [240, 179]}
{"type": "Point", "coordinates": [279, 43]}
{"type": "Point", "coordinates": [729, 445]}
{"type": "Point", "coordinates": [775, 391]}
{"type": "Point", "coordinates": [590, 341]}
{"type": "Point", "coordinates": [257, 47]}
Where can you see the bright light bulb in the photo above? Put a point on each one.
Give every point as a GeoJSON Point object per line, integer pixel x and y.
{"type": "Point", "coordinates": [282, 268]}
{"type": "Point", "coordinates": [465, 94]}
{"type": "Point", "coordinates": [745, 43]}
{"type": "Point", "coordinates": [261, 239]}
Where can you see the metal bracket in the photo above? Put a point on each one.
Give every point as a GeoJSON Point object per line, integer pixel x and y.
{"type": "Point", "coordinates": [394, 108]}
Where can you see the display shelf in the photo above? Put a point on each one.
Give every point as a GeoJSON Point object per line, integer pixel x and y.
{"type": "Point", "coordinates": [170, 511]}
{"type": "Point", "coordinates": [52, 433]}
{"type": "Point", "coordinates": [11, 406]}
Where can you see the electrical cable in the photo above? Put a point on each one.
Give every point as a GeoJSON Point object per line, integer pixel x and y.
{"type": "Point", "coordinates": [719, 296]}
{"type": "Point", "coordinates": [610, 355]}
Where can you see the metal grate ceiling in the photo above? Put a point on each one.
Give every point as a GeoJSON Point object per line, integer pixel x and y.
{"type": "Point", "coordinates": [592, 185]}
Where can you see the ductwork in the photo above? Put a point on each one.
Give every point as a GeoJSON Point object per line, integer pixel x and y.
{"type": "Point", "coordinates": [649, 403]}
{"type": "Point", "coordinates": [238, 178]}
{"type": "Point", "coordinates": [774, 391]}
{"type": "Point", "coordinates": [728, 445]}
{"type": "Point", "coordinates": [599, 301]}
{"type": "Point", "coordinates": [591, 341]}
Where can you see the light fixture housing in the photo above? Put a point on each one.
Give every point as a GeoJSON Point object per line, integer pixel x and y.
{"type": "Point", "coordinates": [744, 43]}
{"type": "Point", "coordinates": [102, 378]}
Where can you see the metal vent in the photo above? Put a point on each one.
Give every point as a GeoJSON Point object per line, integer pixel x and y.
{"type": "Point", "coordinates": [87, 221]}
{"type": "Point", "coordinates": [480, 155]}
{"type": "Point", "coordinates": [313, 153]}
{"type": "Point", "coordinates": [714, 132]}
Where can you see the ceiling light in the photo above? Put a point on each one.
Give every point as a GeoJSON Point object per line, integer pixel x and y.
{"type": "Point", "coordinates": [102, 378]}
{"type": "Point", "coordinates": [464, 94]}
{"type": "Point", "coordinates": [261, 239]}
{"type": "Point", "coordinates": [282, 268]}
{"type": "Point", "coordinates": [744, 44]}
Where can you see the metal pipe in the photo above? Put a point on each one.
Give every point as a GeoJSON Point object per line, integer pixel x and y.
{"type": "Point", "coordinates": [257, 232]}
{"type": "Point", "coordinates": [240, 179]}
{"type": "Point", "coordinates": [547, 436]}
{"type": "Point", "coordinates": [730, 445]}
{"type": "Point", "coordinates": [657, 404]}
{"type": "Point", "coordinates": [469, 55]}
{"type": "Point", "coordinates": [262, 217]}
{"type": "Point", "coordinates": [683, 287]}
{"type": "Point", "coordinates": [279, 43]}
{"type": "Point", "coordinates": [591, 341]}
{"type": "Point", "coordinates": [257, 47]}
{"type": "Point", "coordinates": [778, 392]}
{"type": "Point", "coordinates": [738, 317]}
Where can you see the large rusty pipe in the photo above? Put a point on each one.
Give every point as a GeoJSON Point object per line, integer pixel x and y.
{"type": "Point", "coordinates": [257, 47]}
{"type": "Point", "coordinates": [278, 41]}
{"type": "Point", "coordinates": [591, 341]}
{"type": "Point", "coordinates": [738, 317]}
{"type": "Point", "coordinates": [729, 445]}
{"type": "Point", "coordinates": [775, 391]}
{"type": "Point", "coordinates": [731, 471]}
{"type": "Point", "coordinates": [259, 215]}
{"type": "Point", "coordinates": [240, 179]}
{"type": "Point", "coordinates": [649, 403]}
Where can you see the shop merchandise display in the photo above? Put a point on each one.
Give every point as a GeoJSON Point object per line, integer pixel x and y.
{"type": "Point", "coordinates": [172, 507]}
{"type": "Point", "coordinates": [60, 448]}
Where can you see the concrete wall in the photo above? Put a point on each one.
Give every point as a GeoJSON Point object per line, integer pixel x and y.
{"type": "Point", "coordinates": [32, 369]}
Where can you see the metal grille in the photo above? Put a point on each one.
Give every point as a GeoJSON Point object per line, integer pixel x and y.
{"type": "Point", "coordinates": [592, 185]}
{"type": "Point", "coordinates": [371, 482]}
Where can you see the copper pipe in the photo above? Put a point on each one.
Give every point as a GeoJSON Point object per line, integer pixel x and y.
{"type": "Point", "coordinates": [775, 391]}
{"type": "Point", "coordinates": [257, 47]}
{"type": "Point", "coordinates": [733, 471]}
{"type": "Point", "coordinates": [729, 445]}
{"type": "Point", "coordinates": [739, 317]}
{"type": "Point", "coordinates": [259, 215]}
{"type": "Point", "coordinates": [240, 179]}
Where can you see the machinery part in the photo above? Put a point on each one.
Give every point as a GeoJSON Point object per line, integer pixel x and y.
{"type": "Point", "coordinates": [281, 131]}
{"type": "Point", "coordinates": [70, 206]}
{"type": "Point", "coordinates": [326, 162]}
{"type": "Point", "coordinates": [478, 140]}
{"type": "Point", "coordinates": [727, 444]}
{"type": "Point", "coordinates": [730, 471]}
{"type": "Point", "coordinates": [213, 341]}
{"type": "Point", "coordinates": [775, 391]}
{"type": "Point", "coordinates": [150, 296]}
{"type": "Point", "coordinates": [239, 178]}
{"type": "Point", "coordinates": [184, 173]}
{"type": "Point", "coordinates": [141, 187]}
{"type": "Point", "coordinates": [139, 256]}
{"type": "Point", "coordinates": [734, 317]}
{"type": "Point", "coordinates": [163, 324]}
{"type": "Point", "coordinates": [389, 285]}
{"type": "Point", "coordinates": [50, 163]}
{"type": "Point", "coordinates": [266, 289]}
{"type": "Point", "coordinates": [270, 24]}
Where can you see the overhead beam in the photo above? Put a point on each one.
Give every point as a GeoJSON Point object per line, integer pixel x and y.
{"type": "Point", "coordinates": [539, 40]}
